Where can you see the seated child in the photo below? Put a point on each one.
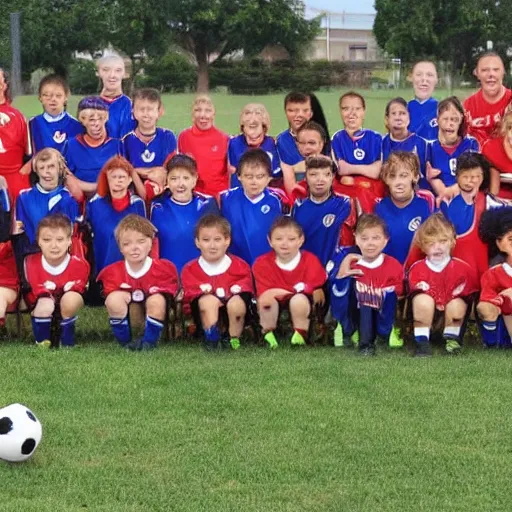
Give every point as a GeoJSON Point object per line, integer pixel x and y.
{"type": "Point", "coordinates": [215, 281]}
{"type": "Point", "coordinates": [176, 212]}
{"type": "Point", "coordinates": [148, 148]}
{"type": "Point", "coordinates": [55, 277]}
{"type": "Point", "coordinates": [54, 126]}
{"type": "Point", "coordinates": [439, 283]}
{"type": "Point", "coordinates": [287, 277]}
{"type": "Point", "coordinates": [365, 285]}
{"type": "Point", "coordinates": [496, 295]}
{"type": "Point", "coordinates": [251, 208]}
{"type": "Point", "coordinates": [327, 218]}
{"type": "Point", "coordinates": [138, 278]}
{"type": "Point", "coordinates": [402, 209]}
{"type": "Point", "coordinates": [358, 152]}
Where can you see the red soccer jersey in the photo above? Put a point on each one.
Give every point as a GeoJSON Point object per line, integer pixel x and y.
{"type": "Point", "coordinates": [384, 275]}
{"type": "Point", "coordinates": [483, 117]}
{"type": "Point", "coordinates": [230, 277]}
{"type": "Point", "coordinates": [48, 281]}
{"type": "Point", "coordinates": [304, 276]}
{"type": "Point", "coordinates": [494, 281]}
{"type": "Point", "coordinates": [8, 273]}
{"type": "Point", "coordinates": [494, 151]}
{"type": "Point", "coordinates": [156, 276]}
{"type": "Point", "coordinates": [210, 150]}
{"type": "Point", "coordinates": [453, 281]}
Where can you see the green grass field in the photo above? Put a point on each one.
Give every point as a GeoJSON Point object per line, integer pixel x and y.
{"type": "Point", "coordinates": [317, 429]}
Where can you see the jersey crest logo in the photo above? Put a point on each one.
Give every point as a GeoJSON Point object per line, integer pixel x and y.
{"type": "Point", "coordinates": [422, 285]}
{"type": "Point", "coordinates": [4, 119]}
{"type": "Point", "coordinates": [433, 123]}
{"type": "Point", "coordinates": [265, 209]}
{"type": "Point", "coordinates": [137, 296]}
{"type": "Point", "coordinates": [459, 289]}
{"type": "Point", "coordinates": [414, 224]}
{"type": "Point", "coordinates": [453, 165]}
{"type": "Point", "coordinates": [148, 156]}
{"type": "Point", "coordinates": [58, 137]}
{"type": "Point", "coordinates": [328, 220]}
{"type": "Point", "coordinates": [359, 154]}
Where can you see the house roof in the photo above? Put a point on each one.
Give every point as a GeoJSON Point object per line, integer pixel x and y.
{"type": "Point", "coordinates": [345, 14]}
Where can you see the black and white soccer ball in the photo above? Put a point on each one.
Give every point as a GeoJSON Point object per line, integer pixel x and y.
{"type": "Point", "coordinates": [20, 433]}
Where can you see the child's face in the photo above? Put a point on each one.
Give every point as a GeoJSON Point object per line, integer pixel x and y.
{"type": "Point", "coordinates": [54, 244]}
{"type": "Point", "coordinates": [111, 73]}
{"type": "Point", "coordinates": [134, 246]}
{"type": "Point", "coordinates": [286, 242]}
{"type": "Point", "coordinates": [53, 98]}
{"type": "Point", "coordinates": [319, 181]}
{"type": "Point", "coordinates": [297, 114]}
{"type": "Point", "coordinates": [449, 122]}
{"type": "Point", "coordinates": [254, 180]}
{"type": "Point", "coordinates": [212, 243]}
{"type": "Point", "coordinates": [203, 115]}
{"type": "Point", "coordinates": [146, 113]}
{"type": "Point", "coordinates": [181, 184]}
{"type": "Point", "coordinates": [398, 117]}
{"type": "Point", "coordinates": [438, 250]}
{"type": "Point", "coordinates": [424, 80]}
{"type": "Point", "coordinates": [490, 72]}
{"type": "Point", "coordinates": [48, 172]}
{"type": "Point", "coordinates": [352, 113]}
{"type": "Point", "coordinates": [401, 184]}
{"type": "Point", "coordinates": [94, 122]}
{"type": "Point", "coordinates": [310, 143]}
{"type": "Point", "coordinates": [118, 181]}
{"type": "Point", "coordinates": [505, 243]}
{"type": "Point", "coordinates": [252, 122]}
{"type": "Point", "coordinates": [371, 242]}
{"type": "Point", "coordinates": [470, 180]}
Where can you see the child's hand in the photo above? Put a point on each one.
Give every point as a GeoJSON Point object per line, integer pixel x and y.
{"type": "Point", "coordinates": [319, 297]}
{"type": "Point", "coordinates": [432, 173]}
{"type": "Point", "coordinates": [343, 167]}
{"type": "Point", "coordinates": [507, 293]}
{"type": "Point", "coordinates": [345, 270]}
{"type": "Point", "coordinates": [27, 168]}
{"type": "Point", "coordinates": [158, 175]}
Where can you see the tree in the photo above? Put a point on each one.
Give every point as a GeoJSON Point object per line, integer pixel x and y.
{"type": "Point", "coordinates": [211, 29]}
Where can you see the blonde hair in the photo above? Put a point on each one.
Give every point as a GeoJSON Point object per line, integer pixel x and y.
{"type": "Point", "coordinates": [47, 154]}
{"type": "Point", "coordinates": [135, 223]}
{"type": "Point", "coordinates": [201, 99]}
{"type": "Point", "coordinates": [503, 122]}
{"type": "Point", "coordinates": [400, 159]}
{"type": "Point", "coordinates": [435, 228]}
{"type": "Point", "coordinates": [260, 110]}
{"type": "Point", "coordinates": [109, 58]}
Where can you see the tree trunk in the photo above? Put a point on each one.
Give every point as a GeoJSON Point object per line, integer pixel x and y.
{"type": "Point", "coordinates": [202, 74]}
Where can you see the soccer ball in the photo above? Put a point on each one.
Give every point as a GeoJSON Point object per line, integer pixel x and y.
{"type": "Point", "coordinates": [20, 433]}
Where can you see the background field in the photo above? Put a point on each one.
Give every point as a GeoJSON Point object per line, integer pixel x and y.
{"type": "Point", "coordinates": [293, 430]}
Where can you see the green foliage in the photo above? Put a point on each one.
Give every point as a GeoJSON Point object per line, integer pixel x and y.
{"type": "Point", "coordinates": [82, 77]}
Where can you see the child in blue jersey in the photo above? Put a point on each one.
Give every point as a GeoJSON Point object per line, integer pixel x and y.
{"type": "Point", "coordinates": [399, 138]}
{"type": "Point", "coordinates": [148, 147]}
{"type": "Point", "coordinates": [54, 126]}
{"type": "Point", "coordinates": [358, 153]}
{"type": "Point", "coordinates": [112, 203]}
{"type": "Point", "coordinates": [402, 209]}
{"type": "Point", "coordinates": [423, 108]}
{"type": "Point", "coordinates": [111, 71]}
{"type": "Point", "coordinates": [254, 124]}
{"type": "Point", "coordinates": [327, 218]}
{"type": "Point", "coordinates": [87, 153]}
{"type": "Point", "coordinates": [452, 142]}
{"type": "Point", "coordinates": [251, 208]}
{"type": "Point", "coordinates": [176, 212]}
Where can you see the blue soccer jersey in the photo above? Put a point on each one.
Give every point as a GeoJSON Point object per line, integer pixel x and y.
{"type": "Point", "coordinates": [323, 223]}
{"type": "Point", "coordinates": [5, 215]}
{"type": "Point", "coordinates": [446, 162]}
{"type": "Point", "coordinates": [250, 221]}
{"type": "Point", "coordinates": [103, 219]}
{"type": "Point", "coordinates": [176, 222]}
{"type": "Point", "coordinates": [363, 148]}
{"type": "Point", "coordinates": [238, 146]}
{"type": "Point", "coordinates": [287, 148]}
{"type": "Point", "coordinates": [152, 154]}
{"type": "Point", "coordinates": [85, 161]}
{"type": "Point", "coordinates": [402, 223]}
{"type": "Point", "coordinates": [412, 144]}
{"type": "Point", "coordinates": [53, 132]}
{"type": "Point", "coordinates": [35, 203]}
{"type": "Point", "coordinates": [423, 115]}
{"type": "Point", "coordinates": [120, 118]}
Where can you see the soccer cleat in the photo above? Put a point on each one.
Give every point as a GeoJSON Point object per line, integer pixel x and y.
{"type": "Point", "coordinates": [210, 345]}
{"type": "Point", "coordinates": [338, 336]}
{"type": "Point", "coordinates": [235, 343]}
{"type": "Point", "coordinates": [367, 351]}
{"type": "Point", "coordinates": [44, 344]}
{"type": "Point", "coordinates": [147, 346]}
{"type": "Point", "coordinates": [355, 338]}
{"type": "Point", "coordinates": [423, 350]}
{"type": "Point", "coordinates": [134, 345]}
{"type": "Point", "coordinates": [395, 340]}
{"type": "Point", "coordinates": [270, 338]}
{"type": "Point", "coordinates": [452, 346]}
{"type": "Point", "coordinates": [297, 340]}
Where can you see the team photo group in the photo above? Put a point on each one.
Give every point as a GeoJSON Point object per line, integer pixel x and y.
{"type": "Point", "coordinates": [359, 231]}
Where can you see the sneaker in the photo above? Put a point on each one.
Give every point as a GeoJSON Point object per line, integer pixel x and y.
{"type": "Point", "coordinates": [367, 351]}
{"type": "Point", "coordinates": [134, 345]}
{"type": "Point", "coordinates": [235, 343]}
{"type": "Point", "coordinates": [355, 338]}
{"type": "Point", "coordinates": [44, 344]}
{"type": "Point", "coordinates": [423, 350]}
{"type": "Point", "coordinates": [395, 340]}
{"type": "Point", "coordinates": [297, 340]}
{"type": "Point", "coordinates": [452, 346]}
{"type": "Point", "coordinates": [271, 340]}
{"type": "Point", "coordinates": [338, 336]}
{"type": "Point", "coordinates": [210, 346]}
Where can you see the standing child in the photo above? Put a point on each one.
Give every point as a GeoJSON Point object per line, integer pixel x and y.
{"type": "Point", "coordinates": [217, 281]}
{"type": "Point", "coordinates": [439, 284]}
{"type": "Point", "coordinates": [138, 279]}
{"type": "Point", "coordinates": [287, 277]}
{"type": "Point", "coordinates": [55, 278]}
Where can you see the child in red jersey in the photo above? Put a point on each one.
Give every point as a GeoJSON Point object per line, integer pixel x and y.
{"type": "Point", "coordinates": [54, 276]}
{"type": "Point", "coordinates": [287, 276]}
{"type": "Point", "coordinates": [216, 280]}
{"type": "Point", "coordinates": [138, 278]}
{"type": "Point", "coordinates": [439, 283]}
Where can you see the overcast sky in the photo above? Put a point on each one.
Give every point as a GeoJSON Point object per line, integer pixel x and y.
{"type": "Point", "coordinates": [349, 6]}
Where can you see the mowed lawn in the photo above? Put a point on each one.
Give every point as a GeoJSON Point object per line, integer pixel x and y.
{"type": "Point", "coordinates": [318, 429]}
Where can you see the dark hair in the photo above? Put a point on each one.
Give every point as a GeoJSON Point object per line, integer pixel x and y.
{"type": "Point", "coordinates": [54, 79]}
{"type": "Point", "coordinates": [454, 102]}
{"type": "Point", "coordinates": [352, 94]}
{"type": "Point", "coordinates": [314, 127]}
{"type": "Point", "coordinates": [92, 102]}
{"type": "Point", "coordinates": [319, 162]}
{"type": "Point", "coordinates": [254, 158]}
{"type": "Point", "coordinates": [495, 224]}
{"type": "Point", "coordinates": [470, 160]}
{"type": "Point", "coordinates": [149, 94]}
{"type": "Point", "coordinates": [370, 220]}
{"type": "Point", "coordinates": [284, 221]}
{"type": "Point", "coordinates": [211, 220]}
{"type": "Point", "coordinates": [55, 221]}
{"type": "Point", "coordinates": [319, 118]}
{"type": "Point", "coordinates": [296, 97]}
{"type": "Point", "coordinates": [489, 53]}
{"type": "Point", "coordinates": [398, 100]}
{"type": "Point", "coordinates": [182, 161]}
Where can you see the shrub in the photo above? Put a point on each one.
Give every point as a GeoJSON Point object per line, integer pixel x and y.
{"type": "Point", "coordinates": [82, 77]}
{"type": "Point", "coordinates": [171, 73]}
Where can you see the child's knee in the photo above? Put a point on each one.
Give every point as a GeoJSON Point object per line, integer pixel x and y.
{"type": "Point", "coordinates": [236, 306]}
{"type": "Point", "coordinates": [207, 303]}
{"type": "Point", "coordinates": [423, 306]}
{"type": "Point", "coordinates": [44, 307]}
{"type": "Point", "coordinates": [155, 306]}
{"type": "Point", "coordinates": [70, 303]}
{"type": "Point", "coordinates": [117, 304]}
{"type": "Point", "coordinates": [299, 304]}
{"type": "Point", "coordinates": [487, 311]}
{"type": "Point", "coordinates": [456, 310]}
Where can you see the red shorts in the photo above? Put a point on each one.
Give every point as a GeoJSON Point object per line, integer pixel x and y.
{"type": "Point", "coordinates": [8, 272]}
{"type": "Point", "coordinates": [366, 190]}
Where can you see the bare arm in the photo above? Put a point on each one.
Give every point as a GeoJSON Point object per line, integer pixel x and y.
{"type": "Point", "coordinates": [494, 185]}
{"type": "Point", "coordinates": [368, 170]}
{"type": "Point", "coordinates": [140, 189]}
{"type": "Point", "coordinates": [288, 177]}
